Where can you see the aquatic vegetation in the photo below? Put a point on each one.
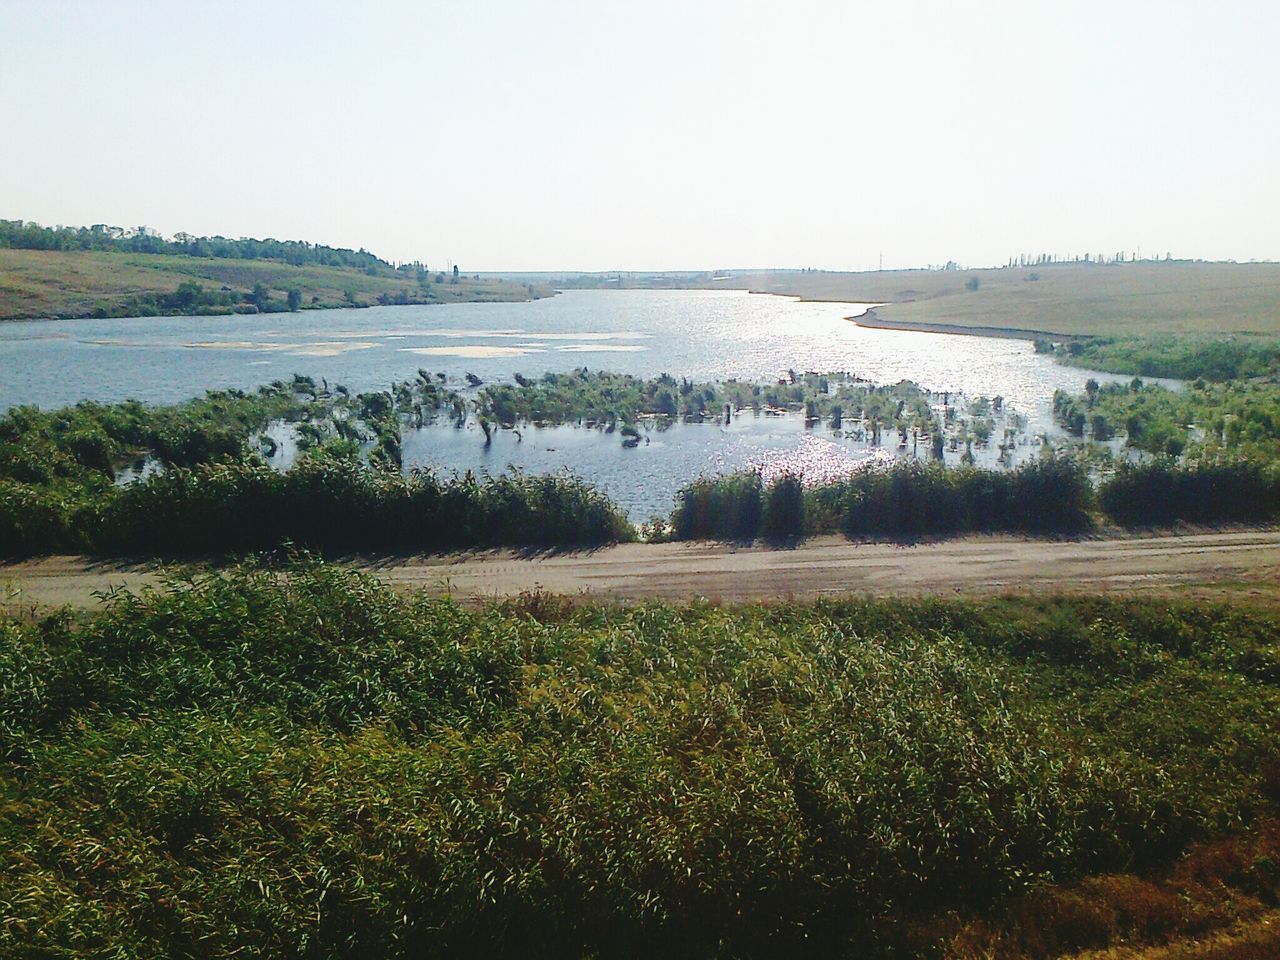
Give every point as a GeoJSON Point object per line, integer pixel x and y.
{"type": "Point", "coordinates": [1203, 421]}
{"type": "Point", "coordinates": [280, 762]}
{"type": "Point", "coordinates": [215, 494]}
{"type": "Point", "coordinates": [1186, 357]}
{"type": "Point", "coordinates": [601, 399]}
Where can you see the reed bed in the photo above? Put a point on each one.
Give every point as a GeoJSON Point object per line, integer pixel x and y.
{"type": "Point", "coordinates": [300, 762]}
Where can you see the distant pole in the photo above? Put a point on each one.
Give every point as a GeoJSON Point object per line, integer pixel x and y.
{"type": "Point", "coordinates": [881, 261]}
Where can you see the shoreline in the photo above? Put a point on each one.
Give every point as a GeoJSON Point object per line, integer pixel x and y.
{"type": "Point", "coordinates": [872, 322]}
{"type": "Point", "coordinates": [274, 313]}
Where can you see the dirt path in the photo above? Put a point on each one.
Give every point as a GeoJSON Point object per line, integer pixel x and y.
{"type": "Point", "coordinates": [1233, 563]}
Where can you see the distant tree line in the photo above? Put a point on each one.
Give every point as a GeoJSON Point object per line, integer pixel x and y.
{"type": "Point", "coordinates": [25, 235]}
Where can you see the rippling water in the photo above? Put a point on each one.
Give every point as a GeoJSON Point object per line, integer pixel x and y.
{"type": "Point", "coordinates": [704, 335]}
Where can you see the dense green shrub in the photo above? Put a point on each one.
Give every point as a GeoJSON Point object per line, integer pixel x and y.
{"type": "Point", "coordinates": [720, 508]}
{"type": "Point", "coordinates": [303, 763]}
{"type": "Point", "coordinates": [1051, 495]}
{"type": "Point", "coordinates": [1184, 357]}
{"type": "Point", "coordinates": [339, 505]}
{"type": "Point", "coordinates": [1162, 492]}
{"type": "Point", "coordinates": [784, 515]}
{"type": "Point", "coordinates": [907, 499]}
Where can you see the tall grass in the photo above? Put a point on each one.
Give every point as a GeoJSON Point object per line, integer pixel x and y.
{"type": "Point", "coordinates": [1162, 492]}
{"type": "Point", "coordinates": [906, 499]}
{"type": "Point", "coordinates": [336, 505]}
{"type": "Point", "coordinates": [722, 508]}
{"type": "Point", "coordinates": [311, 765]}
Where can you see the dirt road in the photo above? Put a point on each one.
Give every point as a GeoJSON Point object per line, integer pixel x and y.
{"type": "Point", "coordinates": [1232, 563]}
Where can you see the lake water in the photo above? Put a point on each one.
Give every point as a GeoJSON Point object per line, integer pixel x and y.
{"type": "Point", "coordinates": [703, 335]}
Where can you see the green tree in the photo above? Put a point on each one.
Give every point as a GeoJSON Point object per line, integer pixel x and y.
{"type": "Point", "coordinates": [295, 300]}
{"type": "Point", "coordinates": [260, 297]}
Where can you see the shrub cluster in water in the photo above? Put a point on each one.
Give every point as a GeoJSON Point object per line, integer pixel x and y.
{"type": "Point", "coordinates": [217, 495]}
{"type": "Point", "coordinates": [1204, 421]}
{"type": "Point", "coordinates": [308, 764]}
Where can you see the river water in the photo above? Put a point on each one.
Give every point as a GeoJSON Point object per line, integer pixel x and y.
{"type": "Point", "coordinates": [699, 334]}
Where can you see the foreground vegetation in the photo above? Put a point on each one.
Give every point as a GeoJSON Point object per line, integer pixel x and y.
{"type": "Point", "coordinates": [313, 765]}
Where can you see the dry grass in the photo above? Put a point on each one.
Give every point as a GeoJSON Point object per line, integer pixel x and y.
{"type": "Point", "coordinates": [1217, 903]}
{"type": "Point", "coordinates": [1075, 299]}
{"type": "Point", "coordinates": [37, 283]}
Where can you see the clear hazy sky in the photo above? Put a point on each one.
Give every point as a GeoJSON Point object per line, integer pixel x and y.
{"type": "Point", "coordinates": [664, 135]}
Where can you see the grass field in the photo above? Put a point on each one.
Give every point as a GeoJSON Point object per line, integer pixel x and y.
{"type": "Point", "coordinates": [1071, 299]}
{"type": "Point", "coordinates": [38, 284]}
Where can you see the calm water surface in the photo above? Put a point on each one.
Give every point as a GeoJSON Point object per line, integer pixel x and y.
{"type": "Point", "coordinates": [703, 335]}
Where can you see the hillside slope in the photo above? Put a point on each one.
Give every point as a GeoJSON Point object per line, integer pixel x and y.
{"type": "Point", "coordinates": [1074, 299]}
{"type": "Point", "coordinates": [39, 284]}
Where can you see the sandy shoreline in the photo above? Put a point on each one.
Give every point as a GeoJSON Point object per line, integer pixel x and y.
{"type": "Point", "coordinates": [872, 321]}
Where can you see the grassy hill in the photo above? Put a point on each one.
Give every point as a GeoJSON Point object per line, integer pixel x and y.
{"type": "Point", "coordinates": [38, 283]}
{"type": "Point", "coordinates": [1075, 299]}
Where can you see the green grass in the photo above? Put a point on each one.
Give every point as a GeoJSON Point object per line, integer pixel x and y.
{"type": "Point", "coordinates": [1186, 357]}
{"type": "Point", "coordinates": [311, 765]}
{"type": "Point", "coordinates": [37, 284]}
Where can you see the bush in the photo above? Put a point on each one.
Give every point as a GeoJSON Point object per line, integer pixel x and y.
{"type": "Point", "coordinates": [784, 515]}
{"type": "Point", "coordinates": [720, 508]}
{"type": "Point", "coordinates": [302, 762]}
{"type": "Point", "coordinates": [332, 505]}
{"type": "Point", "coordinates": [1163, 492]}
{"type": "Point", "coordinates": [913, 498]}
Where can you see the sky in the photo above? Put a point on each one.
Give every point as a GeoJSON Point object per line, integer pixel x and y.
{"type": "Point", "coordinates": [654, 135]}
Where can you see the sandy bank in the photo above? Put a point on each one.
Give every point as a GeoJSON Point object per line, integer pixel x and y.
{"type": "Point", "coordinates": [872, 320]}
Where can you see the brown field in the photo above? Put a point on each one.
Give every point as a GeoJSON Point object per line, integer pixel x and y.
{"type": "Point", "coordinates": [37, 284]}
{"type": "Point", "coordinates": [1068, 299]}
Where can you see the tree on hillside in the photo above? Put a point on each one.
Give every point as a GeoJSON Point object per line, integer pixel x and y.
{"type": "Point", "coordinates": [260, 297]}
